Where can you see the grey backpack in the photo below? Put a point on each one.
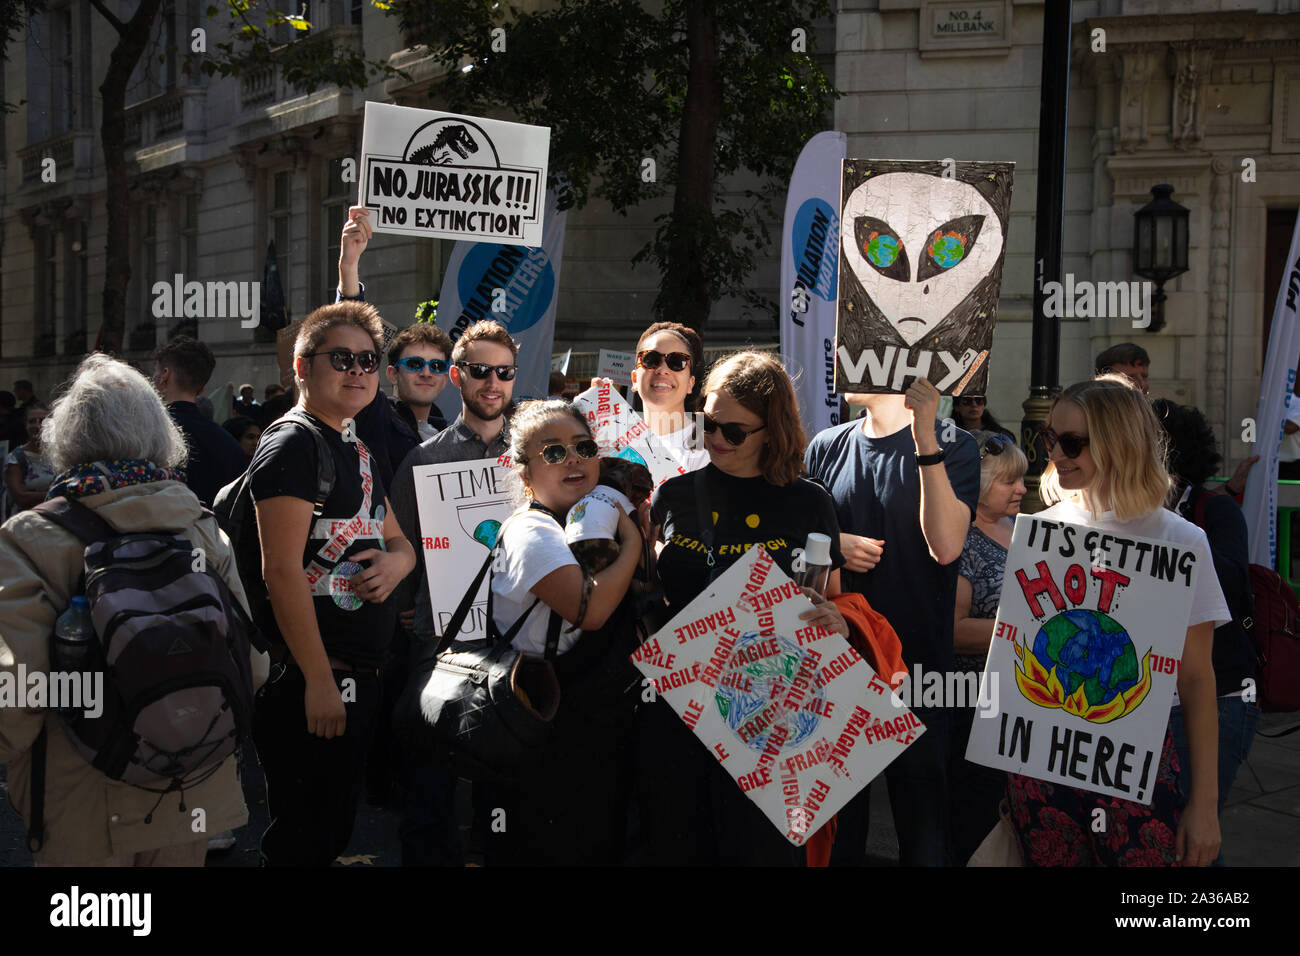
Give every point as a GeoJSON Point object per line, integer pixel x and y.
{"type": "Point", "coordinates": [173, 645]}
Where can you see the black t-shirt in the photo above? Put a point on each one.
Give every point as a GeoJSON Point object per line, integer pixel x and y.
{"type": "Point", "coordinates": [749, 511]}
{"type": "Point", "coordinates": [1225, 528]}
{"type": "Point", "coordinates": [285, 464]}
{"type": "Point", "coordinates": [876, 485]}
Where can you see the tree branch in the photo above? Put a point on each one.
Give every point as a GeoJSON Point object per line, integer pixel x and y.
{"type": "Point", "coordinates": [108, 15]}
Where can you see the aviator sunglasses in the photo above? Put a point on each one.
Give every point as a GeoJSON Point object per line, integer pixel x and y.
{"type": "Point", "coordinates": [556, 452]}
{"type": "Point", "coordinates": [342, 359]}
{"type": "Point", "coordinates": [1072, 445]}
{"type": "Point", "coordinates": [733, 432]}
{"type": "Point", "coordinates": [650, 359]}
{"type": "Point", "coordinates": [480, 371]}
{"type": "Point", "coordinates": [415, 365]}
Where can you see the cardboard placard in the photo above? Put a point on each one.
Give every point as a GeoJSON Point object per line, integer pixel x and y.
{"type": "Point", "coordinates": [622, 433]}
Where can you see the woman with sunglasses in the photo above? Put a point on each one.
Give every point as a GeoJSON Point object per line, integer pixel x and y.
{"type": "Point", "coordinates": [328, 565]}
{"type": "Point", "coordinates": [1106, 470]}
{"type": "Point", "coordinates": [669, 355]}
{"type": "Point", "coordinates": [573, 811]}
{"type": "Point", "coordinates": [972, 413]}
{"type": "Point", "coordinates": [752, 492]}
{"type": "Point", "coordinates": [978, 789]}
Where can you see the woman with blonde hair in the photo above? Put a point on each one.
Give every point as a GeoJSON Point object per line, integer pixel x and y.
{"type": "Point", "coordinates": [752, 492]}
{"type": "Point", "coordinates": [1107, 471]}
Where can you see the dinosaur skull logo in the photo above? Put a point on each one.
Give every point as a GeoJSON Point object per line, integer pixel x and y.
{"type": "Point", "coordinates": [919, 244]}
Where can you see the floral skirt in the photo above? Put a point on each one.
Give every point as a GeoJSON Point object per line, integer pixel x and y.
{"type": "Point", "coordinates": [1057, 825]}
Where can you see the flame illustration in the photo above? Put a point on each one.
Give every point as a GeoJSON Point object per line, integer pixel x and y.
{"type": "Point", "coordinates": [1041, 686]}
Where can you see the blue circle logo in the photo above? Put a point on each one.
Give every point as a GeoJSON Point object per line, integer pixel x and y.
{"type": "Point", "coordinates": [524, 274]}
{"type": "Point", "coordinates": [815, 245]}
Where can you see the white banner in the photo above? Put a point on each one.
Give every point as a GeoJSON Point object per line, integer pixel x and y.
{"type": "Point", "coordinates": [622, 433]}
{"type": "Point", "coordinates": [444, 176]}
{"type": "Point", "coordinates": [462, 507]}
{"type": "Point", "coordinates": [515, 286]}
{"type": "Point", "coordinates": [791, 711]}
{"type": "Point", "coordinates": [1275, 387]}
{"type": "Point", "coordinates": [1086, 649]}
{"type": "Point", "coordinates": [810, 250]}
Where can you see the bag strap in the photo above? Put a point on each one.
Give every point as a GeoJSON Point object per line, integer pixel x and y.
{"type": "Point", "coordinates": [704, 516]}
{"type": "Point", "coordinates": [36, 828]}
{"type": "Point", "coordinates": [76, 518]}
{"type": "Point", "coordinates": [462, 609]}
{"type": "Point", "coordinates": [324, 457]}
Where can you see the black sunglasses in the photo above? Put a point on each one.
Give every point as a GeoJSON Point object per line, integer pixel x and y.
{"type": "Point", "coordinates": [555, 453]}
{"type": "Point", "coordinates": [650, 359]}
{"type": "Point", "coordinates": [733, 432]}
{"type": "Point", "coordinates": [415, 365]}
{"type": "Point", "coordinates": [480, 371]}
{"type": "Point", "coordinates": [342, 359]}
{"type": "Point", "coordinates": [995, 445]}
{"type": "Point", "coordinates": [971, 400]}
{"type": "Point", "coordinates": [1072, 445]}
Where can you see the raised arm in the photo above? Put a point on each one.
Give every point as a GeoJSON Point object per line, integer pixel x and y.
{"type": "Point", "coordinates": [945, 518]}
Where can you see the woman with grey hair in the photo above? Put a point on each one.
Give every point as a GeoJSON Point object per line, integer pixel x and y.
{"type": "Point", "coordinates": [114, 449]}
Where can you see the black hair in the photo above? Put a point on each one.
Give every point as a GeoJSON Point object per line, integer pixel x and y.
{"type": "Point", "coordinates": [1193, 450]}
{"type": "Point", "coordinates": [1125, 353]}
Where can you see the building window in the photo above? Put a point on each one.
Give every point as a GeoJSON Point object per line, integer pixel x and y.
{"type": "Point", "coordinates": [62, 67]}
{"type": "Point", "coordinates": [281, 213]}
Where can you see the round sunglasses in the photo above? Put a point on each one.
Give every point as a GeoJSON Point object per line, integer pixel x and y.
{"type": "Point", "coordinates": [1072, 445]}
{"type": "Point", "coordinates": [733, 432]}
{"type": "Point", "coordinates": [343, 359]}
{"type": "Point", "coordinates": [415, 365]}
{"type": "Point", "coordinates": [555, 453]}
{"type": "Point", "coordinates": [650, 359]}
{"type": "Point", "coordinates": [478, 370]}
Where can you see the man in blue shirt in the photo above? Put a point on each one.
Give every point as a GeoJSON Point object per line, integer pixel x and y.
{"type": "Point", "coordinates": [181, 370]}
{"type": "Point", "coordinates": [905, 490]}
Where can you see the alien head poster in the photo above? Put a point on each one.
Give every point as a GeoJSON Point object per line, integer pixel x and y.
{"type": "Point", "coordinates": [921, 250]}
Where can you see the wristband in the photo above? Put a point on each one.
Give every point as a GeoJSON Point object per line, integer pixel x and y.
{"type": "Point", "coordinates": [934, 459]}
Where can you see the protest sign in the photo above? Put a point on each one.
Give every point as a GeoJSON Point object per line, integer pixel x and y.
{"type": "Point", "coordinates": [462, 507]}
{"type": "Point", "coordinates": [622, 433]}
{"type": "Point", "coordinates": [1090, 632]}
{"type": "Point", "coordinates": [560, 363]}
{"type": "Point", "coordinates": [445, 176]}
{"type": "Point", "coordinates": [921, 249]}
{"type": "Point", "coordinates": [790, 710]}
{"type": "Point", "coordinates": [616, 366]}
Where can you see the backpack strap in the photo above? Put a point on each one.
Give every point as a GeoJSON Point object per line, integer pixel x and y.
{"type": "Point", "coordinates": [324, 457]}
{"type": "Point", "coordinates": [76, 518]}
{"type": "Point", "coordinates": [36, 828]}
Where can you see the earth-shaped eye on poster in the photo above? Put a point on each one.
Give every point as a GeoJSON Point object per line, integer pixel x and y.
{"type": "Point", "coordinates": [921, 252]}
{"type": "Point", "coordinates": [1084, 661]}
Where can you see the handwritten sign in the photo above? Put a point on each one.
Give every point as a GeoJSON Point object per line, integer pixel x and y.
{"type": "Point", "coordinates": [791, 711]}
{"type": "Point", "coordinates": [622, 433]}
{"type": "Point", "coordinates": [616, 366]}
{"type": "Point", "coordinates": [446, 176]}
{"type": "Point", "coordinates": [1087, 642]}
{"type": "Point", "coordinates": [462, 507]}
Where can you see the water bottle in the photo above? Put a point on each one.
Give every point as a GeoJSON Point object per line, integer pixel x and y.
{"type": "Point", "coordinates": [816, 565]}
{"type": "Point", "coordinates": [75, 648]}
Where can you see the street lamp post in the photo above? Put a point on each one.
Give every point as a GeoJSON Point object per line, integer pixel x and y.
{"type": "Point", "coordinates": [1160, 246]}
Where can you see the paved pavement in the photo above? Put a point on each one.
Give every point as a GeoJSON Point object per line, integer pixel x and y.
{"type": "Point", "coordinates": [1261, 820]}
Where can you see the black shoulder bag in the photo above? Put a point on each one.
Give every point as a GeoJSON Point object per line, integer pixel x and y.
{"type": "Point", "coordinates": [483, 707]}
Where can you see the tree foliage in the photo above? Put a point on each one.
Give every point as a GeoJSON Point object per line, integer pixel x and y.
{"type": "Point", "coordinates": [706, 88]}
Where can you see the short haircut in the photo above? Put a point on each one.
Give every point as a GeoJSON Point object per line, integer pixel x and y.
{"type": "Point", "coordinates": [189, 359]}
{"type": "Point", "coordinates": [272, 390]}
{"type": "Point", "coordinates": [485, 330]}
{"type": "Point", "coordinates": [1010, 464]}
{"type": "Point", "coordinates": [759, 382]}
{"type": "Point", "coordinates": [237, 425]}
{"type": "Point", "coordinates": [421, 333]}
{"type": "Point", "coordinates": [1193, 454]}
{"type": "Point", "coordinates": [694, 345]}
{"type": "Point", "coordinates": [1126, 443]}
{"type": "Point", "coordinates": [359, 315]}
{"type": "Point", "coordinates": [110, 410]}
{"type": "Point", "coordinates": [1125, 353]}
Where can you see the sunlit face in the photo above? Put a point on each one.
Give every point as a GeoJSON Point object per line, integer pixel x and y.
{"type": "Point", "coordinates": [1074, 474]}
{"type": "Point", "coordinates": [740, 460]}
{"type": "Point", "coordinates": [1002, 500]}
{"type": "Point", "coordinates": [422, 387]}
{"type": "Point", "coordinates": [486, 398]}
{"type": "Point", "coordinates": [335, 393]}
{"type": "Point", "coordinates": [559, 486]}
{"type": "Point", "coordinates": [661, 389]}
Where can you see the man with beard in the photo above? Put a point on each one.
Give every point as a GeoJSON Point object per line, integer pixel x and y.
{"type": "Point", "coordinates": [483, 368]}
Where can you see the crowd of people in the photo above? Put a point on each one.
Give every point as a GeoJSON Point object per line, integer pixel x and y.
{"type": "Point", "coordinates": [919, 515]}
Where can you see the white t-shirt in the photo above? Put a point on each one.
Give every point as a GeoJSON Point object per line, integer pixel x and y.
{"type": "Point", "coordinates": [1289, 450]}
{"type": "Point", "coordinates": [532, 546]}
{"type": "Point", "coordinates": [679, 445]}
{"type": "Point", "coordinates": [596, 515]}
